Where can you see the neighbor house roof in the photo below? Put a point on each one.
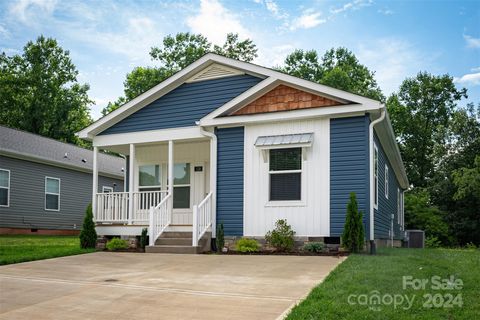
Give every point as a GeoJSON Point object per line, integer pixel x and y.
{"type": "Point", "coordinates": [29, 146]}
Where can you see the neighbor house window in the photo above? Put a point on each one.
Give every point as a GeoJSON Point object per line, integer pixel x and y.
{"type": "Point", "coordinates": [4, 188]}
{"type": "Point", "coordinates": [386, 182]}
{"type": "Point", "coordinates": [52, 194]}
{"type": "Point", "coordinates": [285, 173]}
{"type": "Point", "coordinates": [375, 175]}
{"type": "Point", "coordinates": [106, 189]}
{"type": "Point", "coordinates": [181, 186]}
{"type": "Point", "coordinates": [149, 177]}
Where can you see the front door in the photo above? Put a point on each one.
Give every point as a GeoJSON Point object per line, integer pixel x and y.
{"type": "Point", "coordinates": [188, 190]}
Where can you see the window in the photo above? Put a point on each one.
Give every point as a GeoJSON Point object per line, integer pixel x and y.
{"type": "Point", "coordinates": [181, 186]}
{"type": "Point", "coordinates": [285, 173]}
{"type": "Point", "coordinates": [149, 177]}
{"type": "Point", "coordinates": [386, 182]}
{"type": "Point", "coordinates": [4, 188]}
{"type": "Point", "coordinates": [52, 194]}
{"type": "Point", "coordinates": [375, 175]}
{"type": "Point", "coordinates": [106, 189]}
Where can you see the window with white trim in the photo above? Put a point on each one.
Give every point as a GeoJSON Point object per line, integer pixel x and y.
{"type": "Point", "coordinates": [4, 188]}
{"type": "Point", "coordinates": [285, 174]}
{"type": "Point", "coordinates": [386, 184]}
{"type": "Point", "coordinates": [375, 175]}
{"type": "Point", "coordinates": [181, 186]}
{"type": "Point", "coordinates": [106, 189]}
{"type": "Point", "coordinates": [52, 194]}
{"type": "Point", "coordinates": [150, 177]}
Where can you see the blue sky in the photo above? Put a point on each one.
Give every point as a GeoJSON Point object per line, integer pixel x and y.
{"type": "Point", "coordinates": [396, 39]}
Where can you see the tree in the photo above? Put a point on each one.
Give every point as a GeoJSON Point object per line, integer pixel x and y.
{"type": "Point", "coordinates": [177, 53]}
{"type": "Point", "coordinates": [353, 236]}
{"type": "Point", "coordinates": [338, 68]}
{"type": "Point", "coordinates": [39, 92]}
{"type": "Point", "coordinates": [420, 114]}
{"type": "Point", "coordinates": [88, 235]}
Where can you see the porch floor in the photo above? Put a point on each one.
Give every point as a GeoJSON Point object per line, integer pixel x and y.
{"type": "Point", "coordinates": [106, 285]}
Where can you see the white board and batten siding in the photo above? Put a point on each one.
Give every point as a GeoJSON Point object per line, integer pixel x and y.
{"type": "Point", "coordinates": [310, 216]}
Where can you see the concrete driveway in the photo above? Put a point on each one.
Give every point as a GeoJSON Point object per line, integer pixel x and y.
{"type": "Point", "coordinates": [106, 285]}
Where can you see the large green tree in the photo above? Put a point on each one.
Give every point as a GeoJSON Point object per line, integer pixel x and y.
{"type": "Point", "coordinates": [40, 93]}
{"type": "Point", "coordinates": [421, 112]}
{"type": "Point", "coordinates": [176, 53]}
{"type": "Point", "coordinates": [338, 68]}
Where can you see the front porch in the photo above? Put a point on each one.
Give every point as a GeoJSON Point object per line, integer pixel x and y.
{"type": "Point", "coordinates": [169, 187]}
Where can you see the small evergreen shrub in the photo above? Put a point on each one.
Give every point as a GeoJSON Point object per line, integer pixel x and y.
{"type": "Point", "coordinates": [281, 238]}
{"type": "Point", "coordinates": [144, 238]}
{"type": "Point", "coordinates": [353, 236]}
{"type": "Point", "coordinates": [117, 244]}
{"type": "Point", "coordinates": [88, 235]}
{"type": "Point", "coordinates": [220, 238]}
{"type": "Point", "coordinates": [247, 245]}
{"type": "Point", "coordinates": [432, 242]}
{"type": "Point", "coordinates": [315, 247]}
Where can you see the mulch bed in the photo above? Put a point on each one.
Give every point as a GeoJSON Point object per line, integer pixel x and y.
{"type": "Point", "coordinates": [292, 253]}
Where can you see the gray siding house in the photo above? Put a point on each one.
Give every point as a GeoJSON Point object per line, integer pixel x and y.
{"type": "Point", "coordinates": [46, 185]}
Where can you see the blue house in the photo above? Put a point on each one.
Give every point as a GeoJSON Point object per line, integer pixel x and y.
{"type": "Point", "coordinates": [225, 141]}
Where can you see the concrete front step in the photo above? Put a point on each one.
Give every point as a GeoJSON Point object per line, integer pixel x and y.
{"type": "Point", "coordinates": [176, 234]}
{"type": "Point", "coordinates": [174, 241]}
{"type": "Point", "coordinates": [173, 249]}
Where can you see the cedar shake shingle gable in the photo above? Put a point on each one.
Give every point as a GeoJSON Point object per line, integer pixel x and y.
{"type": "Point", "coordinates": [285, 98]}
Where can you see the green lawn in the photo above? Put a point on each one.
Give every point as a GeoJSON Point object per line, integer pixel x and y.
{"type": "Point", "coordinates": [364, 276]}
{"type": "Point", "coordinates": [21, 248]}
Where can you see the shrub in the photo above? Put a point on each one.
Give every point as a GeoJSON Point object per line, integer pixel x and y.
{"type": "Point", "coordinates": [144, 238]}
{"type": "Point", "coordinates": [117, 244]}
{"type": "Point", "coordinates": [353, 236]}
{"type": "Point", "coordinates": [247, 245]}
{"type": "Point", "coordinates": [432, 242]}
{"type": "Point", "coordinates": [470, 246]}
{"type": "Point", "coordinates": [281, 238]}
{"type": "Point", "coordinates": [314, 246]}
{"type": "Point", "coordinates": [88, 235]}
{"type": "Point", "coordinates": [220, 238]}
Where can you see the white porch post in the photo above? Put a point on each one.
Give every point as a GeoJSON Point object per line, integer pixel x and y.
{"type": "Point", "coordinates": [95, 182]}
{"type": "Point", "coordinates": [213, 183]}
{"type": "Point", "coordinates": [131, 183]}
{"type": "Point", "coordinates": [170, 176]}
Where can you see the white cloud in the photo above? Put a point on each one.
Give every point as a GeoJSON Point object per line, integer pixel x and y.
{"type": "Point", "coordinates": [214, 21]}
{"type": "Point", "coordinates": [477, 69]}
{"type": "Point", "coordinates": [471, 41]}
{"type": "Point", "coordinates": [472, 79]}
{"type": "Point", "coordinates": [386, 12]}
{"type": "Point", "coordinates": [354, 5]}
{"type": "Point", "coordinates": [4, 32]}
{"type": "Point", "coordinates": [274, 55]}
{"type": "Point", "coordinates": [309, 19]}
{"type": "Point", "coordinates": [28, 11]}
{"type": "Point", "coordinates": [392, 60]}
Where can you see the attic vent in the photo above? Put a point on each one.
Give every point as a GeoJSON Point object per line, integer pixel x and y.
{"type": "Point", "coordinates": [214, 71]}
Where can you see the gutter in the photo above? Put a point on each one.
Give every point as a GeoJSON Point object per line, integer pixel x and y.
{"type": "Point", "coordinates": [213, 177]}
{"type": "Point", "coordinates": [372, 196]}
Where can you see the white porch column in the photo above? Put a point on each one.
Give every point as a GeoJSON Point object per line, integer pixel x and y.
{"type": "Point", "coordinates": [131, 183]}
{"type": "Point", "coordinates": [213, 183]}
{"type": "Point", "coordinates": [95, 182]}
{"type": "Point", "coordinates": [170, 175]}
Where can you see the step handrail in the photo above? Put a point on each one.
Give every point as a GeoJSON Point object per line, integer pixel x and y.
{"type": "Point", "coordinates": [160, 218]}
{"type": "Point", "coordinates": [202, 219]}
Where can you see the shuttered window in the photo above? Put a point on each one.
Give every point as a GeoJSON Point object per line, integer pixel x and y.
{"type": "Point", "coordinates": [285, 170]}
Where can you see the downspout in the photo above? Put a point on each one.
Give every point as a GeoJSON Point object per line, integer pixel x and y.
{"type": "Point", "coordinates": [372, 196]}
{"type": "Point", "coordinates": [213, 178]}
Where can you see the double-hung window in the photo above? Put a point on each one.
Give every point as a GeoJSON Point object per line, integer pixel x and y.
{"type": "Point", "coordinates": [106, 189]}
{"type": "Point", "coordinates": [375, 175]}
{"type": "Point", "coordinates": [52, 194]}
{"type": "Point", "coordinates": [4, 188]}
{"type": "Point", "coordinates": [285, 173]}
{"type": "Point", "coordinates": [181, 186]}
{"type": "Point", "coordinates": [150, 178]}
{"type": "Point", "coordinates": [386, 185]}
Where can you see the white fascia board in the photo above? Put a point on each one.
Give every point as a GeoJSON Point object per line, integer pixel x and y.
{"type": "Point", "coordinates": [333, 111]}
{"type": "Point", "coordinates": [149, 136]}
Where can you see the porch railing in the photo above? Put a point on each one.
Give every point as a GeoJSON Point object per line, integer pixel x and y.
{"type": "Point", "coordinates": [143, 201]}
{"type": "Point", "coordinates": [160, 218]}
{"type": "Point", "coordinates": [112, 207]}
{"type": "Point", "coordinates": [202, 219]}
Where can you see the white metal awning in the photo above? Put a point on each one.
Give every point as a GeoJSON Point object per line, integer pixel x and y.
{"type": "Point", "coordinates": [284, 140]}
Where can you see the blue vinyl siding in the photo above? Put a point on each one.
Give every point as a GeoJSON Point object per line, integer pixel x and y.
{"type": "Point", "coordinates": [184, 105]}
{"type": "Point", "coordinates": [349, 170]}
{"type": "Point", "coordinates": [230, 180]}
{"type": "Point", "coordinates": [386, 207]}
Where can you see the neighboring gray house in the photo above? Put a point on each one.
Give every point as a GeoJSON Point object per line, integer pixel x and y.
{"type": "Point", "coordinates": [46, 185]}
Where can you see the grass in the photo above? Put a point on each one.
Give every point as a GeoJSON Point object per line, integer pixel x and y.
{"type": "Point", "coordinates": [383, 274]}
{"type": "Point", "coordinates": [21, 248]}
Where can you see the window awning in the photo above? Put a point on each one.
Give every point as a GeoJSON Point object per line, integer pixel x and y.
{"type": "Point", "coordinates": [284, 141]}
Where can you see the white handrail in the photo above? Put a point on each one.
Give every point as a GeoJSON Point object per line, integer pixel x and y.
{"type": "Point", "coordinates": [202, 219]}
{"type": "Point", "coordinates": [143, 201]}
{"type": "Point", "coordinates": [111, 207]}
{"type": "Point", "coordinates": [159, 219]}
